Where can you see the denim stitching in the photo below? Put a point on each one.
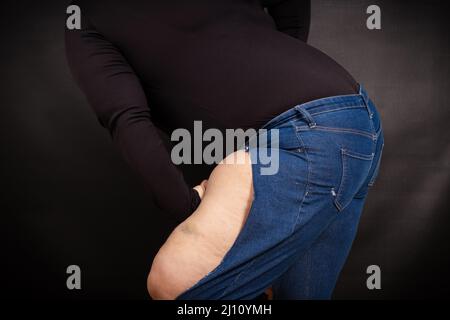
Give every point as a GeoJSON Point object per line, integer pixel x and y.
{"type": "Point", "coordinates": [338, 109]}
{"type": "Point", "coordinates": [228, 288]}
{"type": "Point", "coordinates": [270, 125]}
{"type": "Point", "coordinates": [377, 168]}
{"type": "Point", "coordinates": [311, 105]}
{"type": "Point", "coordinates": [296, 222]}
{"type": "Point", "coordinates": [342, 182]}
{"type": "Point", "coordinates": [341, 130]}
{"type": "Point", "coordinates": [371, 122]}
{"type": "Point", "coordinates": [358, 155]}
{"type": "Point", "coordinates": [328, 100]}
{"type": "Point", "coordinates": [380, 129]}
{"type": "Point", "coordinates": [340, 104]}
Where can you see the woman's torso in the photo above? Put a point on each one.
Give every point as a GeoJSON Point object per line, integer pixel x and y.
{"type": "Point", "coordinates": [222, 61]}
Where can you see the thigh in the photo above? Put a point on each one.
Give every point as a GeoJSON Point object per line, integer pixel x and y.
{"type": "Point", "coordinates": [315, 273]}
{"type": "Point", "coordinates": [265, 246]}
{"type": "Point", "coordinates": [198, 244]}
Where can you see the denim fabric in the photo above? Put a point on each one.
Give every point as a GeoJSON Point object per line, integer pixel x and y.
{"type": "Point", "coordinates": [304, 218]}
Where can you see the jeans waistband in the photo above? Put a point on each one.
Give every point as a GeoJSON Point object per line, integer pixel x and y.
{"type": "Point", "coordinates": [328, 104]}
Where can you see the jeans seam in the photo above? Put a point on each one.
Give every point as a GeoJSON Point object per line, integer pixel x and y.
{"type": "Point", "coordinates": [341, 183]}
{"type": "Point", "coordinates": [337, 109]}
{"type": "Point", "coordinates": [339, 130]}
{"type": "Point", "coordinates": [376, 169]}
{"type": "Point", "coordinates": [333, 100]}
{"type": "Point", "coordinates": [379, 130]}
{"type": "Point", "coordinates": [358, 155]}
{"type": "Point", "coordinates": [296, 222]}
{"type": "Point", "coordinates": [228, 288]}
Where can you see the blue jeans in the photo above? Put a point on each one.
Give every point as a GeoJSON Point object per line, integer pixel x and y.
{"type": "Point", "coordinates": [304, 218]}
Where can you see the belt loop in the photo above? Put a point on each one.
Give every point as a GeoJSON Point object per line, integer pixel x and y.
{"type": "Point", "coordinates": [309, 119]}
{"type": "Point", "coordinates": [365, 97]}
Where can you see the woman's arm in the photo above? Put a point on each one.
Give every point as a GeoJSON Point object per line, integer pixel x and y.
{"type": "Point", "coordinates": [114, 92]}
{"type": "Point", "coordinates": [291, 16]}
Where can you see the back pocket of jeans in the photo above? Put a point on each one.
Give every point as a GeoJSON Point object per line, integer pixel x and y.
{"type": "Point", "coordinates": [355, 168]}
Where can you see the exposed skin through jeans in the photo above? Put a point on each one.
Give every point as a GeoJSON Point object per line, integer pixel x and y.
{"type": "Point", "coordinates": [301, 221]}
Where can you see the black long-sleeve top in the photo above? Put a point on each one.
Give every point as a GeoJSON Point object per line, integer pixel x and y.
{"type": "Point", "coordinates": [152, 64]}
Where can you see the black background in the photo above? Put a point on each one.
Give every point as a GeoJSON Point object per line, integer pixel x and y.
{"type": "Point", "coordinates": [67, 197]}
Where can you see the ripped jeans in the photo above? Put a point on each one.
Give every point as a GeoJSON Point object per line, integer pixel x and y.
{"type": "Point", "coordinates": [304, 218]}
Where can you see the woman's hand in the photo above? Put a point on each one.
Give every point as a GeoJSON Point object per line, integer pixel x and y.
{"type": "Point", "coordinates": [201, 188]}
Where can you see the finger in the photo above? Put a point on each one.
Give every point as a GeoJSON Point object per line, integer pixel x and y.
{"type": "Point", "coordinates": [200, 191]}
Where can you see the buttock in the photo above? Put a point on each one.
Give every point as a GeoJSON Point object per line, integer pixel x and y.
{"type": "Point", "coordinates": [199, 243]}
{"type": "Point", "coordinates": [326, 156]}
{"type": "Point", "coordinates": [268, 226]}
